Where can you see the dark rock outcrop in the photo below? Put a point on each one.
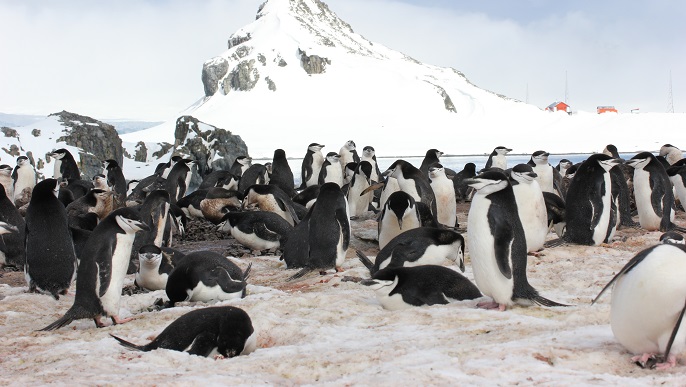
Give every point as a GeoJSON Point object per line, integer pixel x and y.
{"type": "Point", "coordinates": [313, 64]}
{"type": "Point", "coordinates": [212, 72]}
{"type": "Point", "coordinates": [243, 77]}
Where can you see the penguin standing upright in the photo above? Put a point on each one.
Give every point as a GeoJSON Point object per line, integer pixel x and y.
{"type": "Point", "coordinates": [431, 157]}
{"type": "Point", "coordinates": [544, 171]}
{"type": "Point", "coordinates": [358, 202]}
{"type": "Point", "coordinates": [50, 256]}
{"type": "Point", "coordinates": [24, 179]}
{"type": "Point", "coordinates": [325, 232]}
{"type": "Point", "coordinates": [225, 329]}
{"type": "Point", "coordinates": [6, 181]}
{"type": "Point", "coordinates": [282, 175]}
{"type": "Point", "coordinates": [591, 205]}
{"type": "Point", "coordinates": [65, 165]}
{"type": "Point", "coordinates": [648, 305]}
{"type": "Point", "coordinates": [179, 179]}
{"type": "Point", "coordinates": [531, 206]}
{"type": "Point", "coordinates": [331, 170]}
{"type": "Point", "coordinates": [498, 158]}
{"type": "Point", "coordinates": [240, 165]}
{"type": "Point", "coordinates": [444, 191]}
{"type": "Point", "coordinates": [411, 180]}
{"type": "Point", "coordinates": [115, 178]}
{"type": "Point", "coordinates": [102, 269]}
{"type": "Point", "coordinates": [14, 251]}
{"type": "Point", "coordinates": [653, 192]}
{"type": "Point", "coordinates": [677, 175]}
{"type": "Point", "coordinates": [348, 153]}
{"type": "Point", "coordinates": [462, 188]}
{"type": "Point", "coordinates": [497, 244]}
{"type": "Point", "coordinates": [399, 214]}
{"type": "Point", "coordinates": [622, 176]}
{"type": "Point", "coordinates": [369, 155]}
{"type": "Point", "coordinates": [311, 165]}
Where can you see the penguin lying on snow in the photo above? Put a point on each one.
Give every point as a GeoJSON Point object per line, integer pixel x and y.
{"type": "Point", "coordinates": [648, 305]}
{"type": "Point", "coordinates": [225, 329]}
{"type": "Point", "coordinates": [404, 287]}
{"type": "Point", "coordinates": [419, 246]}
{"type": "Point", "coordinates": [497, 244]}
{"type": "Point", "coordinates": [102, 269]}
{"type": "Point", "coordinates": [206, 276]}
{"type": "Point", "coordinates": [257, 230]}
{"type": "Point", "coordinates": [154, 265]}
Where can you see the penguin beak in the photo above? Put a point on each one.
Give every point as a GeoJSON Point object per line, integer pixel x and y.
{"type": "Point", "coordinates": [142, 226]}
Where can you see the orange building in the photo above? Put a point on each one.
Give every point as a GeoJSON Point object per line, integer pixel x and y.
{"type": "Point", "coordinates": [606, 109]}
{"type": "Point", "coordinates": [559, 106]}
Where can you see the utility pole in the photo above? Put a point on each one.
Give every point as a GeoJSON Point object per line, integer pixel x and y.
{"type": "Point", "coordinates": [670, 97]}
{"type": "Point", "coordinates": [527, 94]}
{"type": "Point", "coordinates": [566, 90]}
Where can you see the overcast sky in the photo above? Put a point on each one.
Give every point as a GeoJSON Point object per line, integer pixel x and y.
{"type": "Point", "coordinates": [143, 59]}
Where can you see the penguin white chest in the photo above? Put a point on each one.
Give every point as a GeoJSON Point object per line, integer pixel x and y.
{"type": "Point", "coordinates": [532, 213]}
{"type": "Point", "coordinates": [545, 177]}
{"type": "Point", "coordinates": [647, 300]}
{"type": "Point", "coordinates": [252, 241]}
{"type": "Point", "coordinates": [149, 277]}
{"type": "Point", "coordinates": [679, 188]}
{"type": "Point", "coordinates": [388, 301]}
{"type": "Point", "coordinates": [120, 263]}
{"type": "Point", "coordinates": [600, 232]}
{"type": "Point", "coordinates": [446, 204]}
{"type": "Point", "coordinates": [647, 217]}
{"type": "Point", "coordinates": [481, 246]}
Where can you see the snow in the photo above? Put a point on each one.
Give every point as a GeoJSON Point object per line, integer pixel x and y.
{"type": "Point", "coordinates": [324, 330]}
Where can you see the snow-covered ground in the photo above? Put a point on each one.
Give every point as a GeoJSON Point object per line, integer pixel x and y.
{"type": "Point", "coordinates": [327, 331]}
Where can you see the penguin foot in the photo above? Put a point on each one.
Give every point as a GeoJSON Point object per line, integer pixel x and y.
{"type": "Point", "coordinates": [116, 320]}
{"type": "Point", "coordinates": [536, 254]}
{"type": "Point", "coordinates": [669, 363]}
{"type": "Point", "coordinates": [491, 305]}
{"type": "Point", "coordinates": [647, 360]}
{"type": "Point", "coordinates": [98, 322]}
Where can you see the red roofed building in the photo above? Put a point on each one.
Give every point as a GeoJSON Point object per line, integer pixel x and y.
{"type": "Point", "coordinates": [559, 107]}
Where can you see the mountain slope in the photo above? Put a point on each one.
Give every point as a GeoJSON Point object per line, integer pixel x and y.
{"type": "Point", "coordinates": [299, 74]}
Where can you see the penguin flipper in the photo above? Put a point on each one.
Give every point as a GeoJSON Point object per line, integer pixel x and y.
{"type": "Point", "coordinates": [265, 233]}
{"type": "Point", "coordinates": [502, 245]}
{"type": "Point", "coordinates": [674, 332]}
{"type": "Point", "coordinates": [540, 300]}
{"type": "Point", "coordinates": [365, 261]}
{"type": "Point", "coordinates": [203, 344]}
{"type": "Point", "coordinates": [301, 273]}
{"type": "Point", "coordinates": [76, 312]}
{"type": "Point", "coordinates": [130, 345]}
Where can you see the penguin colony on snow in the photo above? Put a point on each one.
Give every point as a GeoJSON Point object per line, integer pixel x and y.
{"type": "Point", "coordinates": [96, 231]}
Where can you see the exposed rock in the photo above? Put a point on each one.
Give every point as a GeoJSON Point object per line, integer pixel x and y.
{"type": "Point", "coordinates": [270, 84]}
{"type": "Point", "coordinates": [262, 59]}
{"type": "Point", "coordinates": [242, 52]}
{"type": "Point", "coordinates": [96, 140]}
{"type": "Point", "coordinates": [35, 133]}
{"type": "Point", "coordinates": [282, 63]}
{"type": "Point", "coordinates": [213, 148]}
{"type": "Point", "coordinates": [212, 72]}
{"type": "Point", "coordinates": [13, 150]}
{"type": "Point", "coordinates": [313, 64]}
{"type": "Point", "coordinates": [141, 152]}
{"type": "Point", "coordinates": [235, 40]}
{"type": "Point", "coordinates": [9, 132]}
{"type": "Point", "coordinates": [243, 77]}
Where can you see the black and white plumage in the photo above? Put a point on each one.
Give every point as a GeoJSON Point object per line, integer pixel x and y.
{"type": "Point", "coordinates": [154, 212]}
{"type": "Point", "coordinates": [591, 205]}
{"type": "Point", "coordinates": [13, 249]}
{"type": "Point", "coordinates": [179, 179]}
{"type": "Point", "coordinates": [240, 165]}
{"type": "Point", "coordinates": [226, 330]}
{"type": "Point", "coordinates": [555, 213]}
{"type": "Point", "coordinates": [462, 188]}
{"type": "Point", "coordinates": [24, 179]}
{"type": "Point", "coordinates": [221, 178]}
{"type": "Point", "coordinates": [671, 153]}
{"type": "Point", "coordinates": [419, 246]}
{"type": "Point", "coordinates": [65, 165]}
{"type": "Point", "coordinates": [648, 305]}
{"type": "Point", "coordinates": [431, 157]}
{"type": "Point", "coordinates": [358, 199]}
{"type": "Point", "coordinates": [257, 230]}
{"type": "Point", "coordinates": [154, 266]}
{"type": "Point", "coordinates": [331, 170]}
{"type": "Point", "coordinates": [282, 175]}
{"type": "Point", "coordinates": [531, 205]}
{"type": "Point", "coordinates": [206, 276]}
{"type": "Point", "coordinates": [404, 287]}
{"type": "Point", "coordinates": [115, 177]}
{"type": "Point", "coordinates": [369, 155]}
{"type": "Point", "coordinates": [102, 269]}
{"type": "Point", "coordinates": [498, 158]}
{"type": "Point", "coordinates": [311, 165]}
{"type": "Point", "coordinates": [321, 239]}
{"type": "Point", "coordinates": [50, 256]}
{"type": "Point", "coordinates": [6, 181]}
{"type": "Point", "coordinates": [546, 174]}
{"type": "Point", "coordinates": [348, 153]}
{"type": "Point", "coordinates": [411, 180]}
{"type": "Point", "coordinates": [399, 214]}
{"type": "Point", "coordinates": [444, 191]}
{"type": "Point", "coordinates": [497, 244]}
{"type": "Point", "coordinates": [653, 192]}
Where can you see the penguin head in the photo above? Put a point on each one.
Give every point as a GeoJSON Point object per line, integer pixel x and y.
{"type": "Point", "coordinates": [606, 162]}
{"type": "Point", "coordinates": [395, 169]}
{"type": "Point", "coordinates": [540, 157]}
{"type": "Point", "coordinates": [314, 147]}
{"type": "Point", "coordinates": [523, 173]}
{"type": "Point", "coordinates": [667, 149]}
{"type": "Point", "coordinates": [436, 170]}
{"type": "Point", "coordinates": [383, 281]}
{"type": "Point", "coordinates": [244, 160]}
{"type": "Point", "coordinates": [129, 220]}
{"type": "Point", "coordinates": [59, 154]}
{"type": "Point", "coordinates": [641, 160]}
{"type": "Point", "coordinates": [333, 157]}
{"type": "Point", "coordinates": [22, 160]}
{"type": "Point", "coordinates": [350, 145]}
{"type": "Point", "coordinates": [611, 151]}
{"type": "Point", "coordinates": [368, 151]}
{"type": "Point", "coordinates": [672, 237]}
{"type": "Point", "coordinates": [501, 150]}
{"type": "Point", "coordinates": [150, 256]}
{"type": "Point", "coordinates": [5, 170]}
{"type": "Point", "coordinates": [400, 203]}
{"type": "Point", "coordinates": [488, 182]}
